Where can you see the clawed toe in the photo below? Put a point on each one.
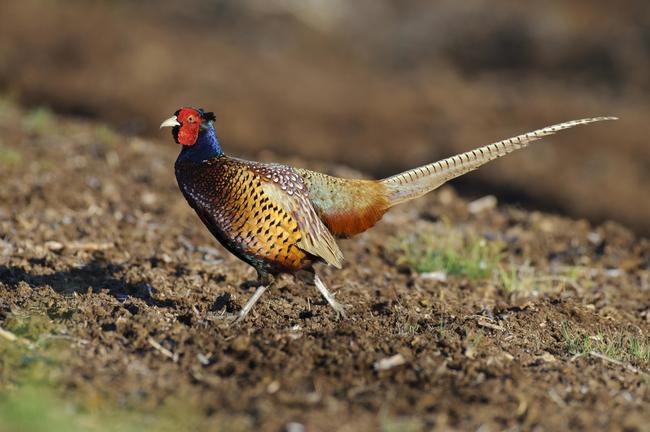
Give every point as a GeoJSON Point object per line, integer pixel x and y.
{"type": "Point", "coordinates": [340, 310]}
{"type": "Point", "coordinates": [231, 318]}
{"type": "Point", "coordinates": [236, 318]}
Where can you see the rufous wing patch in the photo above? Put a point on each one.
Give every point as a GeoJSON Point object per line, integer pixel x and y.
{"type": "Point", "coordinates": [346, 206]}
{"type": "Point", "coordinates": [346, 223]}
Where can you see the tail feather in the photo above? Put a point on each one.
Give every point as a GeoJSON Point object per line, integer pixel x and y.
{"type": "Point", "coordinates": [418, 181]}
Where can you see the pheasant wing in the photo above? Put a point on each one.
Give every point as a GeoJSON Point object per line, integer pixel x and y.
{"type": "Point", "coordinates": [286, 188]}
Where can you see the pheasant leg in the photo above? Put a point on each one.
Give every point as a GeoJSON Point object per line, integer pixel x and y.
{"type": "Point", "coordinates": [251, 302]}
{"type": "Point", "coordinates": [264, 282]}
{"type": "Point", "coordinates": [338, 307]}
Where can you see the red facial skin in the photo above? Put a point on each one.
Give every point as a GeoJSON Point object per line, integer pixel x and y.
{"type": "Point", "coordinates": [190, 120]}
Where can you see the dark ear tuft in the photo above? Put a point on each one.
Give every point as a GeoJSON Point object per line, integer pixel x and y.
{"type": "Point", "coordinates": [209, 116]}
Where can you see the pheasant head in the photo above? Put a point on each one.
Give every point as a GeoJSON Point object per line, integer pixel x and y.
{"type": "Point", "coordinates": [188, 123]}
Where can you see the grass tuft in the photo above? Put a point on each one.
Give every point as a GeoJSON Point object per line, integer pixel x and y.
{"type": "Point", "coordinates": [512, 278]}
{"type": "Point", "coordinates": [523, 278]}
{"type": "Point", "coordinates": [106, 135]}
{"type": "Point", "coordinates": [38, 121]}
{"type": "Point", "coordinates": [452, 253]}
{"type": "Point", "coordinates": [9, 157]}
{"type": "Point", "coordinates": [620, 347]}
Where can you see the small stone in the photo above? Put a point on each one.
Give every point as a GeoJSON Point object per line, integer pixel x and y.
{"type": "Point", "coordinates": [390, 362]}
{"type": "Point", "coordinates": [203, 359]}
{"type": "Point", "coordinates": [53, 245]}
{"type": "Point", "coordinates": [295, 427]}
{"type": "Point", "coordinates": [548, 357]}
{"type": "Point", "coordinates": [149, 198]}
{"type": "Point", "coordinates": [273, 387]}
{"type": "Point", "coordinates": [482, 204]}
{"type": "Point", "coordinates": [594, 237]}
{"type": "Point", "coordinates": [439, 276]}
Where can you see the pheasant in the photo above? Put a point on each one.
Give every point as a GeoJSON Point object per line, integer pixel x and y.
{"type": "Point", "coordinates": [281, 219]}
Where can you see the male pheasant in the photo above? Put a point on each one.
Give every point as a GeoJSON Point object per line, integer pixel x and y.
{"type": "Point", "coordinates": [283, 219]}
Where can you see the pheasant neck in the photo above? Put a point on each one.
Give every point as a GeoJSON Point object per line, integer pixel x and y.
{"type": "Point", "coordinates": [206, 147]}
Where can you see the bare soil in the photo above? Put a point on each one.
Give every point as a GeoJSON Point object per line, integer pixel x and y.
{"type": "Point", "coordinates": [95, 235]}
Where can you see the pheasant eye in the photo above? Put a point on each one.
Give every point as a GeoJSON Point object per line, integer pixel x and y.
{"type": "Point", "coordinates": [190, 119]}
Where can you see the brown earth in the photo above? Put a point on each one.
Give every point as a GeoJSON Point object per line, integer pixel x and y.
{"type": "Point", "coordinates": [95, 236]}
{"type": "Point", "coordinates": [379, 85]}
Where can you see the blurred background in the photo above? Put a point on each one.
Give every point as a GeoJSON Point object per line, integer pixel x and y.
{"type": "Point", "coordinates": [378, 85]}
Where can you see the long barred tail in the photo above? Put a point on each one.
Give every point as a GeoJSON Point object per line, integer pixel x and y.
{"type": "Point", "coordinates": [418, 181]}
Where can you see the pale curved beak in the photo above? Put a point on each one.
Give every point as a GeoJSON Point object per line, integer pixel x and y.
{"type": "Point", "coordinates": [170, 122]}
